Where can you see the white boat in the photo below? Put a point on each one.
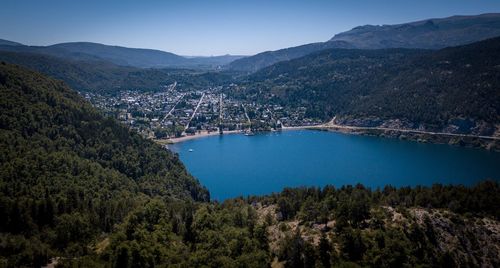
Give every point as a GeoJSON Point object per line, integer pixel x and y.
{"type": "Point", "coordinates": [249, 133]}
{"type": "Point", "coordinates": [190, 150]}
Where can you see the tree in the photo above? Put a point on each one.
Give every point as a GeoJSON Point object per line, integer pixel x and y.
{"type": "Point", "coordinates": [324, 249]}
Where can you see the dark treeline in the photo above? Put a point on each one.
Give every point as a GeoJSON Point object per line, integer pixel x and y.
{"type": "Point", "coordinates": [314, 204]}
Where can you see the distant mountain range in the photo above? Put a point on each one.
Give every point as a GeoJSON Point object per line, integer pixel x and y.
{"type": "Point", "coordinates": [268, 58]}
{"type": "Point", "coordinates": [135, 57]}
{"type": "Point", "coordinates": [427, 34]}
{"type": "Point", "coordinates": [106, 77]}
{"type": "Point", "coordinates": [9, 43]}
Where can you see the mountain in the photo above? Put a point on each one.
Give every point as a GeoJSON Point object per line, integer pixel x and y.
{"type": "Point", "coordinates": [67, 173]}
{"type": "Point", "coordinates": [9, 43]}
{"type": "Point", "coordinates": [123, 56]}
{"type": "Point", "coordinates": [100, 76]}
{"type": "Point", "coordinates": [450, 90]}
{"type": "Point", "coordinates": [212, 61]}
{"type": "Point", "coordinates": [264, 59]}
{"type": "Point", "coordinates": [427, 34]}
{"type": "Point", "coordinates": [143, 58]}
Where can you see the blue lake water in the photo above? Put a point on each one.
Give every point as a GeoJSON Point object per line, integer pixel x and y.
{"type": "Point", "coordinates": [235, 165]}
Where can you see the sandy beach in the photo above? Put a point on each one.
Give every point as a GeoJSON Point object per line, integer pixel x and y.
{"type": "Point", "coordinates": [198, 135]}
{"type": "Point", "coordinates": [205, 133]}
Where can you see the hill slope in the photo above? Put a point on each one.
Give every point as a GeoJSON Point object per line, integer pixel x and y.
{"type": "Point", "coordinates": [67, 174]}
{"type": "Point", "coordinates": [4, 42]}
{"type": "Point", "coordinates": [428, 34]}
{"type": "Point", "coordinates": [123, 56]}
{"type": "Point", "coordinates": [264, 59]}
{"type": "Point", "coordinates": [105, 77]}
{"type": "Point", "coordinates": [83, 191]}
{"type": "Point", "coordinates": [450, 90]}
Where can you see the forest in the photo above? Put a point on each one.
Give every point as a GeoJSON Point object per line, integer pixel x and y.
{"type": "Point", "coordinates": [104, 77]}
{"type": "Point", "coordinates": [63, 165]}
{"type": "Point", "coordinates": [452, 90]}
{"type": "Point", "coordinates": [81, 190]}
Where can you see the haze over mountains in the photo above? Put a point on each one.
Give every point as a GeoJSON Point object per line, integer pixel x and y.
{"type": "Point", "coordinates": [428, 34]}
{"type": "Point", "coordinates": [135, 57]}
{"type": "Point", "coordinates": [106, 77]}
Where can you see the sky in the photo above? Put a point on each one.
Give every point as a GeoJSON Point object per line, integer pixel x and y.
{"type": "Point", "coordinates": [212, 27]}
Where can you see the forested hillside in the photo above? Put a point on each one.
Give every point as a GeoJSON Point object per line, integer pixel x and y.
{"type": "Point", "coordinates": [105, 77]}
{"type": "Point", "coordinates": [122, 56]}
{"type": "Point", "coordinates": [264, 59]}
{"type": "Point", "coordinates": [352, 226]}
{"type": "Point", "coordinates": [452, 90]}
{"type": "Point", "coordinates": [81, 190]}
{"type": "Point", "coordinates": [67, 174]}
{"type": "Point", "coordinates": [429, 34]}
{"type": "Point", "coordinates": [426, 34]}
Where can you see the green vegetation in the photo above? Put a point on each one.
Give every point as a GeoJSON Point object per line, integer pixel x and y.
{"type": "Point", "coordinates": [67, 174]}
{"type": "Point", "coordinates": [84, 189]}
{"type": "Point", "coordinates": [103, 77]}
{"type": "Point", "coordinates": [123, 56]}
{"type": "Point", "coordinates": [403, 227]}
{"type": "Point", "coordinates": [453, 89]}
{"type": "Point", "coordinates": [428, 34]}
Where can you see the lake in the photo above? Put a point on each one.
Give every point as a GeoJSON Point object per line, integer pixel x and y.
{"type": "Point", "coordinates": [235, 165]}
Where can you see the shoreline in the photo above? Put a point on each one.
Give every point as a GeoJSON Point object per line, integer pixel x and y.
{"type": "Point", "coordinates": [199, 135]}
{"type": "Point", "coordinates": [417, 135]}
{"type": "Point", "coordinates": [205, 133]}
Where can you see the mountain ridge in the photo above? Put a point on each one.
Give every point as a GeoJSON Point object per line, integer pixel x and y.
{"type": "Point", "coordinates": [96, 75]}
{"type": "Point", "coordinates": [428, 34]}
{"type": "Point", "coordinates": [124, 56]}
{"type": "Point", "coordinates": [472, 28]}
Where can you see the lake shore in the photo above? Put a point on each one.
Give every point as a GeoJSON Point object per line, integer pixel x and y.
{"type": "Point", "coordinates": [491, 143]}
{"type": "Point", "coordinates": [204, 133]}
{"type": "Point", "coordinates": [462, 140]}
{"type": "Point", "coordinates": [197, 135]}
{"type": "Point", "coordinates": [238, 165]}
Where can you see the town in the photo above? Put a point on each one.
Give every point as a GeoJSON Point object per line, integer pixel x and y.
{"type": "Point", "coordinates": [173, 112]}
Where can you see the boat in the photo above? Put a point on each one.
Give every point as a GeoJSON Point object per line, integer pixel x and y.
{"type": "Point", "coordinates": [190, 150]}
{"type": "Point", "coordinates": [249, 133]}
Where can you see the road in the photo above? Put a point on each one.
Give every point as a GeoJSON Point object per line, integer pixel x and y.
{"type": "Point", "coordinates": [246, 114]}
{"type": "Point", "coordinates": [221, 114]}
{"type": "Point", "coordinates": [194, 113]}
{"type": "Point", "coordinates": [331, 125]}
{"type": "Point", "coordinates": [173, 108]}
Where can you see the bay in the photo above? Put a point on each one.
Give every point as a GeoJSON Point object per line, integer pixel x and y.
{"type": "Point", "coordinates": [237, 165]}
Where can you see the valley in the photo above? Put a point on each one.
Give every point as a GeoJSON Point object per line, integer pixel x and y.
{"type": "Point", "coordinates": [376, 147]}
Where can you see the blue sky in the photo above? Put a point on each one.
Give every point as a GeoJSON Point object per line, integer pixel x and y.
{"type": "Point", "coordinates": [212, 27]}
